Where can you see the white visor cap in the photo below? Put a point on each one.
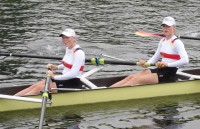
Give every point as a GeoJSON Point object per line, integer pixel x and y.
{"type": "Point", "coordinates": [68, 33]}
{"type": "Point", "coordinates": [169, 21]}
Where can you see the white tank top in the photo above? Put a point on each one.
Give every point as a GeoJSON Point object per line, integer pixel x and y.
{"type": "Point", "coordinates": [172, 52]}
{"type": "Point", "coordinates": [75, 60]}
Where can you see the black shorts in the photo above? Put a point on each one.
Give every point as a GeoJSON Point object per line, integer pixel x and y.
{"type": "Point", "coordinates": [71, 83]}
{"type": "Point", "coordinates": [167, 74]}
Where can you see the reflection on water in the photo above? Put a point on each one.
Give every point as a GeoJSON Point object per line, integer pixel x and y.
{"type": "Point", "coordinates": [178, 112]}
{"type": "Point", "coordinates": [166, 115]}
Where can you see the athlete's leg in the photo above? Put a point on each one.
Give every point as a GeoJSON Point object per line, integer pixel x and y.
{"type": "Point", "coordinates": [130, 77]}
{"type": "Point", "coordinates": [35, 88]}
{"type": "Point", "coordinates": [150, 78]}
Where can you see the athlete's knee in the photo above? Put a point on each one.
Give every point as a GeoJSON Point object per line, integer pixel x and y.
{"type": "Point", "coordinates": [38, 88]}
{"type": "Point", "coordinates": [138, 79]}
{"type": "Point", "coordinates": [130, 77]}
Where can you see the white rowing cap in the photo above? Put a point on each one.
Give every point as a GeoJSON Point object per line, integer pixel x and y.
{"type": "Point", "coordinates": [68, 32]}
{"type": "Point", "coordinates": [169, 21]}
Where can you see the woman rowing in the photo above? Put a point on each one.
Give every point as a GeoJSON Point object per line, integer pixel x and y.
{"type": "Point", "coordinates": [72, 66]}
{"type": "Point", "coordinates": [173, 55]}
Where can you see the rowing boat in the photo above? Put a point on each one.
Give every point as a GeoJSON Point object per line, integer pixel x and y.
{"type": "Point", "coordinates": [187, 83]}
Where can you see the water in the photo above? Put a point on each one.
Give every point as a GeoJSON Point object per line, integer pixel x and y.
{"type": "Point", "coordinates": [103, 27]}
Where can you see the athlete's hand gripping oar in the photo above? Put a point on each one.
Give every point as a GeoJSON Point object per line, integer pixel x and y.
{"type": "Point", "coordinates": [45, 96]}
{"type": "Point", "coordinates": [146, 34]}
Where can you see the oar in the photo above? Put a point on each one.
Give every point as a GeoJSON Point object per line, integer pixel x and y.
{"type": "Point", "coordinates": [53, 57]}
{"type": "Point", "coordinates": [45, 96]}
{"type": "Point", "coordinates": [27, 99]}
{"type": "Point", "coordinates": [30, 56]}
{"type": "Point", "coordinates": [35, 56]}
{"type": "Point", "coordinates": [146, 34]}
{"type": "Point", "coordinates": [112, 57]}
{"type": "Point", "coordinates": [48, 57]}
{"type": "Point", "coordinates": [101, 61]}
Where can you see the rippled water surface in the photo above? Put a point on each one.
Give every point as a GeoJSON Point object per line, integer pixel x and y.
{"type": "Point", "coordinates": [103, 27]}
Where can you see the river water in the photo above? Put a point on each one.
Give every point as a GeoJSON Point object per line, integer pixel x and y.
{"type": "Point", "coordinates": [103, 27]}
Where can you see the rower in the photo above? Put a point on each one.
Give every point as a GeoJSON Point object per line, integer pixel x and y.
{"type": "Point", "coordinates": [169, 56]}
{"type": "Point", "coordinates": [72, 66]}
